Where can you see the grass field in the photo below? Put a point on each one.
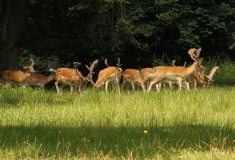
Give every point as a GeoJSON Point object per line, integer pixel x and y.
{"type": "Point", "coordinates": [197, 124]}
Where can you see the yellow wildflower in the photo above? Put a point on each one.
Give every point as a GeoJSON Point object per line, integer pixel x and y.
{"type": "Point", "coordinates": [145, 131]}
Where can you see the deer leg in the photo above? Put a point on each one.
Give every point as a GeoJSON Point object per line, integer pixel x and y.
{"type": "Point", "coordinates": [106, 86]}
{"type": "Point", "coordinates": [142, 85]}
{"type": "Point", "coordinates": [117, 82]}
{"type": "Point", "coordinates": [170, 84]}
{"type": "Point", "coordinates": [42, 86]}
{"type": "Point", "coordinates": [187, 85]}
{"type": "Point", "coordinates": [57, 88]}
{"type": "Point", "coordinates": [124, 81]}
{"type": "Point", "coordinates": [71, 87]}
{"type": "Point", "coordinates": [133, 87]}
{"type": "Point", "coordinates": [195, 83]}
{"type": "Point", "coordinates": [79, 88]}
{"type": "Point", "coordinates": [152, 83]}
{"type": "Point", "coordinates": [158, 86]}
{"type": "Point", "coordinates": [127, 86]}
{"type": "Point", "coordinates": [180, 83]}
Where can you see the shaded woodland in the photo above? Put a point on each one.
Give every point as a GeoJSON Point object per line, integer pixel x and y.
{"type": "Point", "coordinates": [143, 33]}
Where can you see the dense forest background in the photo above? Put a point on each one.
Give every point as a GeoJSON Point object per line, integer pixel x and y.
{"type": "Point", "coordinates": [143, 33]}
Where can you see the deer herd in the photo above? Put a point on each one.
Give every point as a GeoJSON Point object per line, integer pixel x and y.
{"type": "Point", "coordinates": [145, 78]}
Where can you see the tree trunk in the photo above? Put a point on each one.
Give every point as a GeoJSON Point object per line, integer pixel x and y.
{"type": "Point", "coordinates": [12, 22]}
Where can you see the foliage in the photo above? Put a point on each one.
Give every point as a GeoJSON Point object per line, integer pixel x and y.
{"type": "Point", "coordinates": [86, 30]}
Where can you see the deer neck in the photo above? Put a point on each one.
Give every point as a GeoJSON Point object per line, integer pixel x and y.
{"type": "Point", "coordinates": [192, 68]}
{"type": "Point", "coordinates": [98, 83]}
{"type": "Point", "coordinates": [49, 78]}
{"type": "Point", "coordinates": [27, 73]}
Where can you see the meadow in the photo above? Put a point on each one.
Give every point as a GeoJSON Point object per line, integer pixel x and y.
{"type": "Point", "coordinates": [195, 124]}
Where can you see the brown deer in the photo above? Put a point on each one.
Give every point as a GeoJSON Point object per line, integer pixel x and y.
{"type": "Point", "coordinates": [166, 73]}
{"type": "Point", "coordinates": [16, 78]}
{"type": "Point", "coordinates": [72, 77]}
{"type": "Point", "coordinates": [109, 74]}
{"type": "Point", "coordinates": [132, 76]}
{"type": "Point", "coordinates": [148, 75]}
{"type": "Point", "coordinates": [38, 80]}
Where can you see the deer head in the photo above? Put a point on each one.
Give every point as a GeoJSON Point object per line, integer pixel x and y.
{"type": "Point", "coordinates": [30, 68]}
{"type": "Point", "coordinates": [86, 79]}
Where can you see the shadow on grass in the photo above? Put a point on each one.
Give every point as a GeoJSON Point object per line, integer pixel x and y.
{"type": "Point", "coordinates": [141, 141]}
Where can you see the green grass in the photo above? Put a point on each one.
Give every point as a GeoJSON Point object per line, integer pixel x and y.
{"type": "Point", "coordinates": [197, 124]}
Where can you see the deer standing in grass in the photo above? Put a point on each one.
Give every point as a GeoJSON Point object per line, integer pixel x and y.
{"type": "Point", "coordinates": [72, 77]}
{"type": "Point", "coordinates": [132, 76]}
{"type": "Point", "coordinates": [166, 73]}
{"type": "Point", "coordinates": [109, 74]}
{"type": "Point", "coordinates": [16, 78]}
{"type": "Point", "coordinates": [148, 75]}
{"type": "Point", "coordinates": [39, 80]}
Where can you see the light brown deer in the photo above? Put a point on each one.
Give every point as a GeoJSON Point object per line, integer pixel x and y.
{"type": "Point", "coordinates": [148, 75]}
{"type": "Point", "coordinates": [72, 77]}
{"type": "Point", "coordinates": [132, 76]}
{"type": "Point", "coordinates": [38, 80]}
{"type": "Point", "coordinates": [16, 78]}
{"type": "Point", "coordinates": [166, 73]}
{"type": "Point", "coordinates": [109, 74]}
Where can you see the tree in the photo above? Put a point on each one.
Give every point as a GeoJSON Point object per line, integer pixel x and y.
{"type": "Point", "coordinates": [11, 24]}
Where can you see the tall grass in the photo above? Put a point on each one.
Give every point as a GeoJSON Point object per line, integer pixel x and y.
{"type": "Point", "coordinates": [97, 125]}
{"type": "Point", "coordinates": [195, 124]}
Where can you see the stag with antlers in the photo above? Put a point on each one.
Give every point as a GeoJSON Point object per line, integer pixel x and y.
{"type": "Point", "coordinates": [109, 74]}
{"type": "Point", "coordinates": [166, 73]}
{"type": "Point", "coordinates": [73, 77]}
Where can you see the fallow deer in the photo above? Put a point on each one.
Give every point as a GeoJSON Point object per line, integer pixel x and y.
{"type": "Point", "coordinates": [166, 73]}
{"type": "Point", "coordinates": [16, 78]}
{"type": "Point", "coordinates": [132, 76]}
{"type": "Point", "coordinates": [108, 74]}
{"type": "Point", "coordinates": [147, 75]}
{"type": "Point", "coordinates": [72, 77]}
{"type": "Point", "coordinates": [38, 80]}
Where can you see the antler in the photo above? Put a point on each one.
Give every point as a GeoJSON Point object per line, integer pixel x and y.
{"type": "Point", "coordinates": [31, 60]}
{"type": "Point", "coordinates": [210, 76]}
{"type": "Point", "coordinates": [105, 62]}
{"type": "Point", "coordinates": [198, 53]}
{"type": "Point", "coordinates": [118, 64]}
{"type": "Point", "coordinates": [76, 65]}
{"type": "Point", "coordinates": [191, 52]}
{"type": "Point", "coordinates": [185, 64]}
{"type": "Point", "coordinates": [92, 66]}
